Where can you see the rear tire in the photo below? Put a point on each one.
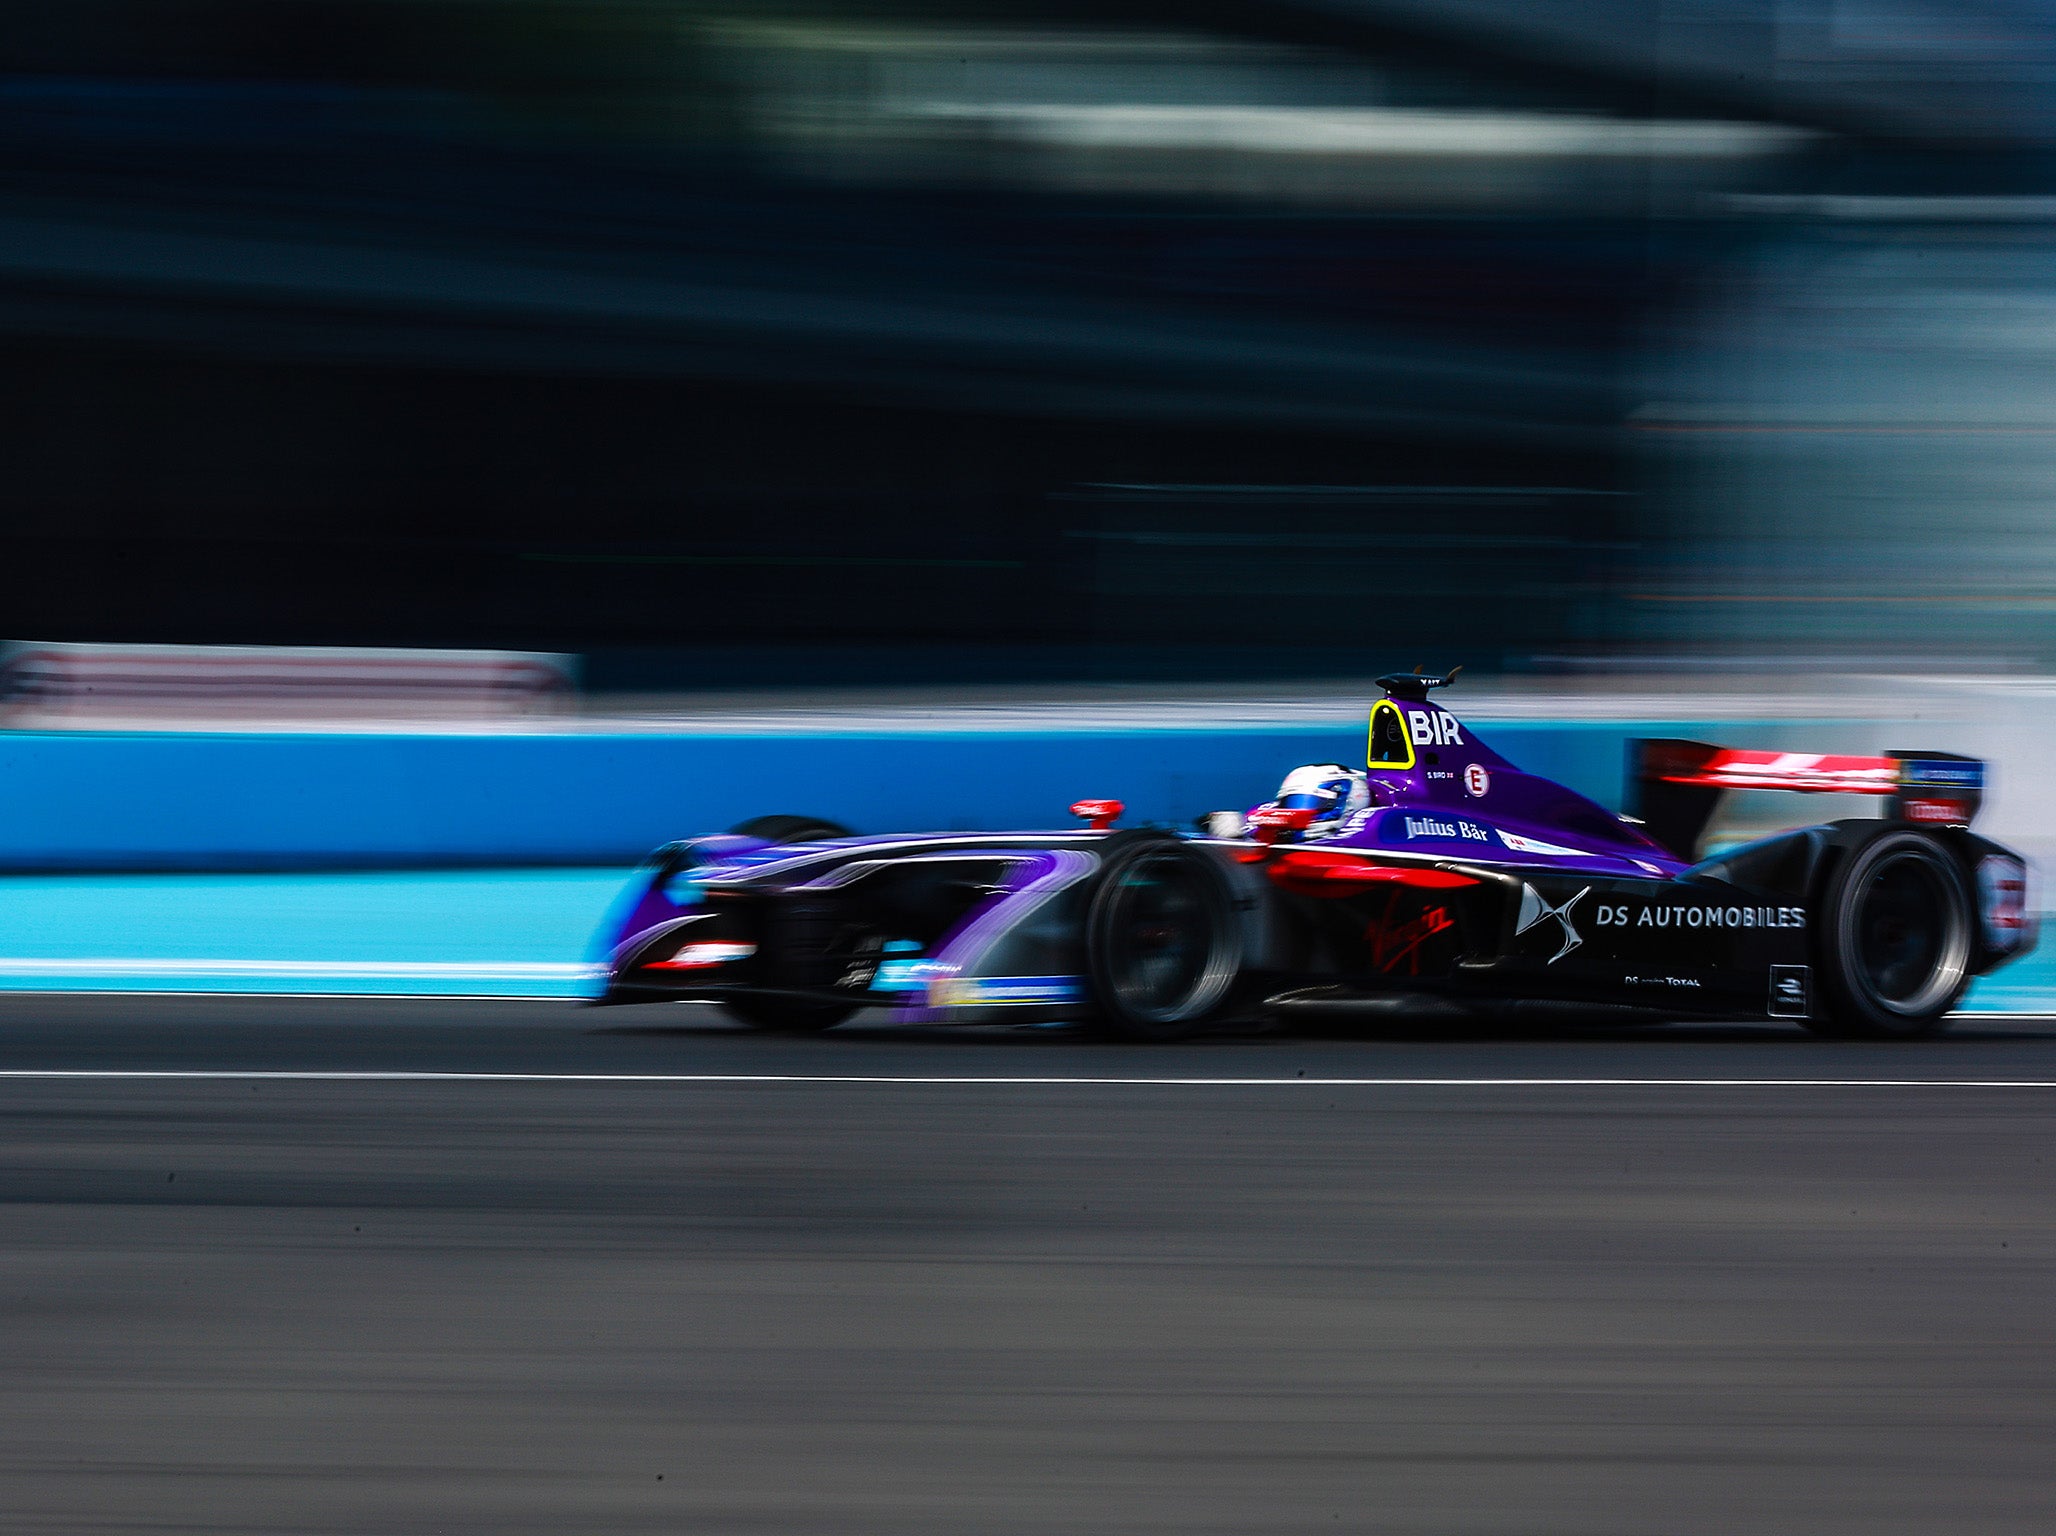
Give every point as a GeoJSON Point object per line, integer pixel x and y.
{"type": "Point", "coordinates": [1162, 938]}
{"type": "Point", "coordinates": [1896, 939]}
{"type": "Point", "coordinates": [790, 829]}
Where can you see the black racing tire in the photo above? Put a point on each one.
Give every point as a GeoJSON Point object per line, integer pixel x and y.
{"type": "Point", "coordinates": [787, 1015]}
{"type": "Point", "coordinates": [1897, 934]}
{"type": "Point", "coordinates": [1162, 938]}
{"type": "Point", "coordinates": [790, 829]}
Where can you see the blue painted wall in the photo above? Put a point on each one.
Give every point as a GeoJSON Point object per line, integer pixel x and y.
{"type": "Point", "coordinates": [190, 801]}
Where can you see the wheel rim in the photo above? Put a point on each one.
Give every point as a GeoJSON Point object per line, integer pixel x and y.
{"type": "Point", "coordinates": [1910, 941]}
{"type": "Point", "coordinates": [1159, 929]}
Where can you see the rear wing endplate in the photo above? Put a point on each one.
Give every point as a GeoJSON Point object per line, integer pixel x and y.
{"type": "Point", "coordinates": [1675, 786]}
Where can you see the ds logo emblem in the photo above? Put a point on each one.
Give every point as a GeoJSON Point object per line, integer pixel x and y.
{"type": "Point", "coordinates": [1476, 780]}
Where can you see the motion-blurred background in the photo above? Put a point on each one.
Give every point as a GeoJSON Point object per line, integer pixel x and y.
{"type": "Point", "coordinates": [1691, 352]}
{"type": "Point", "coordinates": [962, 341]}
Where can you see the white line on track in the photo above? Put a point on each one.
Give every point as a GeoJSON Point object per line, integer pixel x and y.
{"type": "Point", "coordinates": [62, 1074]}
{"type": "Point", "coordinates": [366, 970]}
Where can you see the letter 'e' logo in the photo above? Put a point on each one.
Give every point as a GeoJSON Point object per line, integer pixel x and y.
{"type": "Point", "coordinates": [1477, 780]}
{"type": "Point", "coordinates": [1789, 986]}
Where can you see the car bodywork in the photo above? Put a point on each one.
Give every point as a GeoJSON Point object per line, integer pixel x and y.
{"type": "Point", "coordinates": [1465, 878]}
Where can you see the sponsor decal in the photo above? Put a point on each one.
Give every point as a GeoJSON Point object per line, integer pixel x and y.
{"type": "Point", "coordinates": [1652, 915]}
{"type": "Point", "coordinates": [1477, 781]}
{"type": "Point", "coordinates": [1354, 822]}
{"type": "Point", "coordinates": [1932, 772]}
{"type": "Point", "coordinates": [1660, 981]}
{"type": "Point", "coordinates": [1393, 944]}
{"type": "Point", "coordinates": [1430, 826]}
{"type": "Point", "coordinates": [971, 991]}
{"type": "Point", "coordinates": [1521, 844]}
{"type": "Point", "coordinates": [1937, 812]}
{"type": "Point", "coordinates": [1535, 911]}
{"type": "Point", "coordinates": [1789, 985]}
{"type": "Point", "coordinates": [1433, 728]}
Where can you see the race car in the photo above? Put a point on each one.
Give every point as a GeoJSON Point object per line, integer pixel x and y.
{"type": "Point", "coordinates": [1437, 869]}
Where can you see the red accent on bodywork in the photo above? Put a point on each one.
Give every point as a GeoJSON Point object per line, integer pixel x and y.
{"type": "Point", "coordinates": [1098, 814]}
{"type": "Point", "coordinates": [1266, 822]}
{"type": "Point", "coordinates": [1810, 772]}
{"type": "Point", "coordinates": [703, 956]}
{"type": "Point", "coordinates": [1325, 872]}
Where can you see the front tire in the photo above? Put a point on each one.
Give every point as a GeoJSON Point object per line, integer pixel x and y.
{"type": "Point", "coordinates": [1896, 939]}
{"type": "Point", "coordinates": [790, 829]}
{"type": "Point", "coordinates": [1163, 940]}
{"type": "Point", "coordinates": [787, 1015]}
{"type": "Point", "coordinates": [771, 1011]}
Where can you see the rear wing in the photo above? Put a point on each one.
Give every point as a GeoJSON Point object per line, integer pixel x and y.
{"type": "Point", "coordinates": [1675, 786]}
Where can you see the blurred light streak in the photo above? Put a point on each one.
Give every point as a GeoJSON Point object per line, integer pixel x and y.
{"type": "Point", "coordinates": [45, 684]}
{"type": "Point", "coordinates": [2025, 604]}
{"type": "Point", "coordinates": [1876, 208]}
{"type": "Point", "coordinates": [1839, 429]}
{"type": "Point", "coordinates": [1176, 114]}
{"type": "Point", "coordinates": [1366, 131]}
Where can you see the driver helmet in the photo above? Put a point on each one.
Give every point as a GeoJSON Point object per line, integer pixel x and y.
{"type": "Point", "coordinates": [1333, 792]}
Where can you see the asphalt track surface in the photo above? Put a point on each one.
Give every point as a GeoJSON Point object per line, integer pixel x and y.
{"type": "Point", "coordinates": [637, 1271]}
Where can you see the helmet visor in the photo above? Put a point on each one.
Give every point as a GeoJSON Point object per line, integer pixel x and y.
{"type": "Point", "coordinates": [1322, 800]}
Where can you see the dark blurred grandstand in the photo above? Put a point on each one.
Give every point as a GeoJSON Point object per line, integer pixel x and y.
{"type": "Point", "coordinates": [961, 341]}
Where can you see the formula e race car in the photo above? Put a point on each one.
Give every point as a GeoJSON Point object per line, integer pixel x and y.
{"type": "Point", "coordinates": [1438, 869]}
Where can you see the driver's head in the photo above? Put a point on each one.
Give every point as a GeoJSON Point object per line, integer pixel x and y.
{"type": "Point", "coordinates": [1330, 790]}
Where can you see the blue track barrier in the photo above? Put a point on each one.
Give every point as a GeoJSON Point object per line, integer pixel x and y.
{"type": "Point", "coordinates": [203, 801]}
{"type": "Point", "coordinates": [497, 932]}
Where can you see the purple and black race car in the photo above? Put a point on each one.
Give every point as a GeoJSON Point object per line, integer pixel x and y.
{"type": "Point", "coordinates": [1437, 869]}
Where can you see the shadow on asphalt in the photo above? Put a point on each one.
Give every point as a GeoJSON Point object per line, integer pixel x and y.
{"type": "Point", "coordinates": [1563, 1025]}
